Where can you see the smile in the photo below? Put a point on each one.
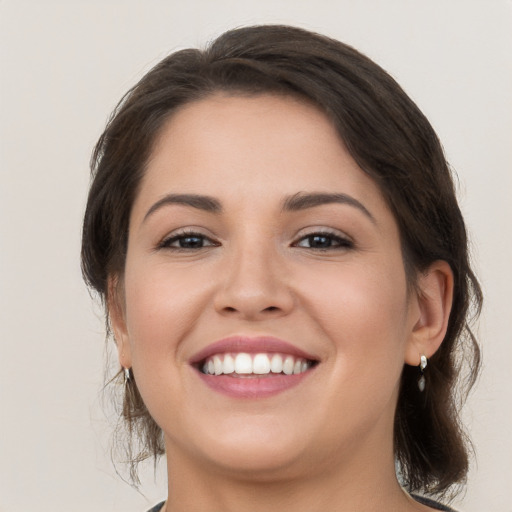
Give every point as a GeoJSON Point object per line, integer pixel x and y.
{"type": "Point", "coordinates": [245, 364]}
{"type": "Point", "coordinates": [252, 367]}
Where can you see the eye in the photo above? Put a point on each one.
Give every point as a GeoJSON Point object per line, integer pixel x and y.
{"type": "Point", "coordinates": [187, 241]}
{"type": "Point", "coordinates": [324, 241]}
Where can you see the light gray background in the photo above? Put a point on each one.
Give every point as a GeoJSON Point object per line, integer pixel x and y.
{"type": "Point", "coordinates": [64, 65]}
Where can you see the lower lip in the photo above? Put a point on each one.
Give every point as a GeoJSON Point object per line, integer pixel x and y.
{"type": "Point", "coordinates": [253, 387]}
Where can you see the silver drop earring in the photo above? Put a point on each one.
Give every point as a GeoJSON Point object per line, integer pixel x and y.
{"type": "Point", "coordinates": [127, 376]}
{"type": "Point", "coordinates": [421, 380]}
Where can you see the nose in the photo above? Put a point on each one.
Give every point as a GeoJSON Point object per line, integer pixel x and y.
{"type": "Point", "coordinates": [254, 284]}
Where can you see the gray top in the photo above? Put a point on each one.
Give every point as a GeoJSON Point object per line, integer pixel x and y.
{"type": "Point", "coordinates": [420, 499]}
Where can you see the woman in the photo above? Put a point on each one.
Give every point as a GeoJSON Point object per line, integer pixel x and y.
{"type": "Point", "coordinates": [273, 229]}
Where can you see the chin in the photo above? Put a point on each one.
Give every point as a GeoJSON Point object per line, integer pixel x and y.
{"type": "Point", "coordinates": [260, 465]}
{"type": "Point", "coordinates": [259, 451]}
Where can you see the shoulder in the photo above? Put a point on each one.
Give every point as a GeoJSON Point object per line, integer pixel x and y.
{"type": "Point", "coordinates": [431, 503]}
{"type": "Point", "coordinates": [156, 508]}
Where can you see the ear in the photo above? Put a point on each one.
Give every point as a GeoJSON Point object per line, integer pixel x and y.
{"type": "Point", "coordinates": [116, 312]}
{"type": "Point", "coordinates": [434, 296]}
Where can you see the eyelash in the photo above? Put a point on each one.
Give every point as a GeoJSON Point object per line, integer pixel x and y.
{"type": "Point", "coordinates": [339, 242]}
{"type": "Point", "coordinates": [166, 243]}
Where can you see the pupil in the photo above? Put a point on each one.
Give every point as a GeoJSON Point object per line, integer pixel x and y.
{"type": "Point", "coordinates": [191, 242]}
{"type": "Point", "coordinates": [320, 241]}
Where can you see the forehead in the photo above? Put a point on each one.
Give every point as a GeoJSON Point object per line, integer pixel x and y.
{"type": "Point", "coordinates": [247, 147]}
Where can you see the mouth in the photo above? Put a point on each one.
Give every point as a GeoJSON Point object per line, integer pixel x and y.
{"type": "Point", "coordinates": [243, 367]}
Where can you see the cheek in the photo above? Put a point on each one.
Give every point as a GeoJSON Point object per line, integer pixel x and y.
{"type": "Point", "coordinates": [161, 308]}
{"type": "Point", "coordinates": [363, 297]}
{"type": "Point", "coordinates": [363, 310]}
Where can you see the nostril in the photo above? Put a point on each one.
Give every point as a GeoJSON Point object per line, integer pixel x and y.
{"type": "Point", "coordinates": [271, 308]}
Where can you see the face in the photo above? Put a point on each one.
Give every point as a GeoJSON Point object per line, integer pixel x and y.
{"type": "Point", "coordinates": [265, 310]}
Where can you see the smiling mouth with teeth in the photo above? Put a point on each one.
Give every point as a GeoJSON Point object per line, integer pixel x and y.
{"type": "Point", "coordinates": [254, 365]}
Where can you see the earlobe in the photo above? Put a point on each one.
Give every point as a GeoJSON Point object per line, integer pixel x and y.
{"type": "Point", "coordinates": [434, 298]}
{"type": "Point", "coordinates": [116, 314]}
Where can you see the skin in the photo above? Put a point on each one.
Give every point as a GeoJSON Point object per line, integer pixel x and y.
{"type": "Point", "coordinates": [325, 444]}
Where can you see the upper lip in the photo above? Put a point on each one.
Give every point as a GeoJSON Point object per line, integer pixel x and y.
{"type": "Point", "coordinates": [248, 344]}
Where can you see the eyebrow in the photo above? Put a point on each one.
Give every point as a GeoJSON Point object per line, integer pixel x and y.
{"type": "Point", "coordinates": [303, 201]}
{"type": "Point", "coordinates": [205, 203]}
{"type": "Point", "coordinates": [297, 202]}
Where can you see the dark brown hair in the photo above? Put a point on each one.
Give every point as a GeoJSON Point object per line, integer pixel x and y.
{"type": "Point", "coordinates": [388, 137]}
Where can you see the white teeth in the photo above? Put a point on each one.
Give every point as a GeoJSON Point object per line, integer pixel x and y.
{"type": "Point", "coordinates": [261, 364]}
{"type": "Point", "coordinates": [288, 365]}
{"type": "Point", "coordinates": [257, 364]}
{"type": "Point", "coordinates": [276, 364]}
{"type": "Point", "coordinates": [243, 364]}
{"type": "Point", "coordinates": [217, 365]}
{"type": "Point", "coordinates": [229, 364]}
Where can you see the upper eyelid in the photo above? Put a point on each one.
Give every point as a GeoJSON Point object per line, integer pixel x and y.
{"type": "Point", "coordinates": [183, 233]}
{"type": "Point", "coordinates": [302, 233]}
{"type": "Point", "coordinates": [188, 231]}
{"type": "Point", "coordinates": [323, 231]}
{"type": "Point", "coordinates": [342, 241]}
